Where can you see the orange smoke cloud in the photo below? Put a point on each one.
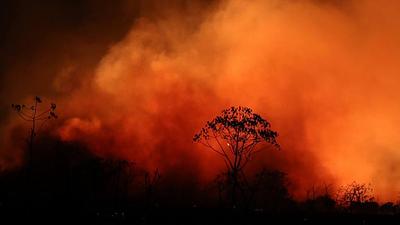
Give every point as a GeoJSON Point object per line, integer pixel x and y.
{"type": "Point", "coordinates": [323, 73]}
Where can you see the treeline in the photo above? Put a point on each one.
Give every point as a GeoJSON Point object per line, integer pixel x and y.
{"type": "Point", "coordinates": [67, 179]}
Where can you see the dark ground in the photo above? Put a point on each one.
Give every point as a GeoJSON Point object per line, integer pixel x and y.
{"type": "Point", "coordinates": [188, 216]}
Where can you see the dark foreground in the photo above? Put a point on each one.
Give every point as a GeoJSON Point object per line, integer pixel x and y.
{"type": "Point", "coordinates": [79, 188]}
{"type": "Point", "coordinates": [189, 216]}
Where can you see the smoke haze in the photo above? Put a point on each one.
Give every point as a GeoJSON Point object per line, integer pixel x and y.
{"type": "Point", "coordinates": [138, 79]}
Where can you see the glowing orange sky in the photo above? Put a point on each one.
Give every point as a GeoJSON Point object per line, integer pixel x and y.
{"type": "Point", "coordinates": [325, 75]}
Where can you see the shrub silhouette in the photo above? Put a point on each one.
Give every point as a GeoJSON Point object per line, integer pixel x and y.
{"type": "Point", "coordinates": [269, 190]}
{"type": "Point", "coordinates": [357, 197]}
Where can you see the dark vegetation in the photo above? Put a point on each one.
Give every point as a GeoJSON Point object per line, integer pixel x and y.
{"type": "Point", "coordinates": [65, 183]}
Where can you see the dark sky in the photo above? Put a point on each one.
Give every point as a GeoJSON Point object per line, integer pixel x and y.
{"type": "Point", "coordinates": [37, 38]}
{"type": "Point", "coordinates": [47, 33]}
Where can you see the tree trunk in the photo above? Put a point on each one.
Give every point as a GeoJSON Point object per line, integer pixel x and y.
{"type": "Point", "coordinates": [234, 178]}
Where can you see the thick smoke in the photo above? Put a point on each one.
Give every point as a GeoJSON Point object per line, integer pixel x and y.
{"type": "Point", "coordinates": [324, 73]}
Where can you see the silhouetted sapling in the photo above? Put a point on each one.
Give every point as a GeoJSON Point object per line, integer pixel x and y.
{"type": "Point", "coordinates": [150, 184]}
{"type": "Point", "coordinates": [37, 118]}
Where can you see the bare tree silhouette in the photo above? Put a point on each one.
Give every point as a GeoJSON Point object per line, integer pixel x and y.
{"type": "Point", "coordinates": [37, 118]}
{"type": "Point", "coordinates": [234, 136]}
{"type": "Point", "coordinates": [150, 183]}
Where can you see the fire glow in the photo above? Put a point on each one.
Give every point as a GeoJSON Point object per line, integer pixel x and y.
{"type": "Point", "coordinates": [324, 74]}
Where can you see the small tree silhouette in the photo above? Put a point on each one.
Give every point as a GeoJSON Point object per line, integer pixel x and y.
{"type": "Point", "coordinates": [120, 175]}
{"type": "Point", "coordinates": [234, 136]}
{"type": "Point", "coordinates": [354, 194]}
{"type": "Point", "coordinates": [319, 198]}
{"type": "Point", "coordinates": [37, 118]}
{"type": "Point", "coordinates": [150, 184]}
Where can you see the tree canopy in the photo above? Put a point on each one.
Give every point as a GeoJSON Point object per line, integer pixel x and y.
{"type": "Point", "coordinates": [234, 135]}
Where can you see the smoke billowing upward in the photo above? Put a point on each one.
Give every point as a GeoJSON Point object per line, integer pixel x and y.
{"type": "Point", "coordinates": [137, 80]}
